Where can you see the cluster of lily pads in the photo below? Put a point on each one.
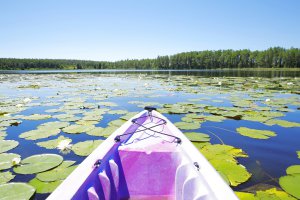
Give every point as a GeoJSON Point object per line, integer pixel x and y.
{"type": "Point", "coordinates": [75, 104]}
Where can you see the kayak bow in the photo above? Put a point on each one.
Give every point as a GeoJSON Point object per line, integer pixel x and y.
{"type": "Point", "coordinates": [146, 158]}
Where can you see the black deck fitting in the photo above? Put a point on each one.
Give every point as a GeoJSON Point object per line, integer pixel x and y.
{"type": "Point", "coordinates": [150, 108]}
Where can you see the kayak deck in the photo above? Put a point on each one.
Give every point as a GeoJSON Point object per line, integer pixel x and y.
{"type": "Point", "coordinates": [144, 165]}
{"type": "Point", "coordinates": [147, 160]}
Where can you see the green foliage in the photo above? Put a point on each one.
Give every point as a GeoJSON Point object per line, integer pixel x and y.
{"type": "Point", "coordinates": [16, 191]}
{"type": "Point", "coordinates": [275, 57]}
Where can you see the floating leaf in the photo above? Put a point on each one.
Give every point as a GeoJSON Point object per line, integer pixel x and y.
{"type": "Point", "coordinates": [129, 115]}
{"type": "Point", "coordinates": [245, 196]}
{"type": "Point", "coordinates": [44, 187]}
{"type": "Point", "coordinates": [290, 183]}
{"type": "Point", "coordinates": [37, 117]}
{"type": "Point", "coordinates": [97, 131]}
{"type": "Point", "coordinates": [2, 135]}
{"type": "Point", "coordinates": [86, 148]}
{"type": "Point", "coordinates": [282, 123]}
{"type": "Point", "coordinates": [187, 126]}
{"type": "Point", "coordinates": [6, 145]}
{"type": "Point", "coordinates": [222, 157]}
{"type": "Point", "coordinates": [298, 153]}
{"type": "Point", "coordinates": [16, 191]}
{"type": "Point", "coordinates": [254, 133]}
{"type": "Point", "coordinates": [117, 112]}
{"type": "Point", "coordinates": [53, 125]}
{"type": "Point", "coordinates": [39, 133]}
{"type": "Point", "coordinates": [273, 194]}
{"type": "Point", "coordinates": [59, 173]}
{"type": "Point", "coordinates": [197, 137]}
{"type": "Point", "coordinates": [117, 123]}
{"type": "Point", "coordinates": [75, 129]}
{"type": "Point", "coordinates": [38, 163]}
{"type": "Point", "coordinates": [5, 177]}
{"type": "Point", "coordinates": [52, 144]}
{"type": "Point", "coordinates": [6, 160]}
{"type": "Point", "coordinates": [108, 104]}
{"type": "Point", "coordinates": [108, 131]}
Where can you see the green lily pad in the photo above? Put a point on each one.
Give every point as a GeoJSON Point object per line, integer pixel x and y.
{"type": "Point", "coordinates": [75, 129]}
{"type": "Point", "coordinates": [40, 133]}
{"type": "Point", "coordinates": [2, 135]}
{"type": "Point", "coordinates": [129, 115]}
{"type": "Point", "coordinates": [117, 123]}
{"type": "Point", "coordinates": [52, 144]}
{"type": "Point", "coordinates": [84, 122]}
{"type": "Point", "coordinates": [290, 182]}
{"type": "Point", "coordinates": [197, 137]}
{"type": "Point", "coordinates": [273, 194]}
{"type": "Point", "coordinates": [5, 177]}
{"type": "Point", "coordinates": [6, 160]}
{"type": "Point", "coordinates": [298, 153]}
{"type": "Point", "coordinates": [245, 196]}
{"type": "Point", "coordinates": [44, 187]}
{"type": "Point", "coordinates": [38, 163]}
{"type": "Point", "coordinates": [254, 133]}
{"type": "Point", "coordinates": [97, 131]}
{"type": "Point", "coordinates": [294, 169]}
{"type": "Point", "coordinates": [86, 148]}
{"type": "Point", "coordinates": [187, 125]}
{"type": "Point", "coordinates": [108, 104]}
{"type": "Point", "coordinates": [37, 117]}
{"type": "Point", "coordinates": [6, 145]}
{"type": "Point", "coordinates": [53, 125]}
{"type": "Point", "coordinates": [108, 131]}
{"type": "Point", "coordinates": [223, 158]}
{"type": "Point", "coordinates": [59, 173]}
{"type": "Point", "coordinates": [117, 112]}
{"type": "Point", "coordinates": [282, 123]}
{"type": "Point", "coordinates": [16, 191]}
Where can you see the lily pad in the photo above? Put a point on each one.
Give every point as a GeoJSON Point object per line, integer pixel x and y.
{"type": "Point", "coordinates": [86, 148]}
{"type": "Point", "coordinates": [6, 145]}
{"type": "Point", "coordinates": [108, 104]}
{"type": "Point", "coordinates": [52, 144]}
{"type": "Point", "coordinates": [117, 112]}
{"type": "Point", "coordinates": [44, 187]}
{"type": "Point", "coordinates": [59, 173]}
{"type": "Point", "coordinates": [38, 163]}
{"type": "Point", "coordinates": [273, 194]}
{"type": "Point", "coordinates": [197, 137]}
{"type": "Point", "coordinates": [187, 125]}
{"type": "Point", "coordinates": [117, 123]}
{"type": "Point", "coordinates": [97, 131]}
{"type": "Point", "coordinates": [53, 125]}
{"type": "Point", "coordinates": [290, 182]}
{"type": "Point", "coordinates": [37, 117]}
{"type": "Point", "coordinates": [16, 191]}
{"type": "Point", "coordinates": [108, 131]}
{"type": "Point", "coordinates": [282, 123]}
{"type": "Point", "coordinates": [75, 129]}
{"type": "Point", "coordinates": [5, 177]}
{"type": "Point", "coordinates": [245, 196]}
{"type": "Point", "coordinates": [40, 133]}
{"type": "Point", "coordinates": [6, 160]}
{"type": "Point", "coordinates": [223, 158]}
{"type": "Point", "coordinates": [298, 153]}
{"type": "Point", "coordinates": [254, 133]}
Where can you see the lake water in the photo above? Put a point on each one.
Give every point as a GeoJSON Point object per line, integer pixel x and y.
{"type": "Point", "coordinates": [75, 93]}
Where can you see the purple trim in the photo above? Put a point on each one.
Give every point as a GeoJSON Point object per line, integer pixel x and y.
{"type": "Point", "coordinates": [93, 179]}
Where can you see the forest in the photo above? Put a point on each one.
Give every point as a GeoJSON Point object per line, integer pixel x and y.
{"type": "Point", "coordinates": [275, 57]}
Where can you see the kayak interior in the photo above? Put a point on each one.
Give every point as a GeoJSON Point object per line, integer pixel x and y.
{"type": "Point", "coordinates": [146, 162]}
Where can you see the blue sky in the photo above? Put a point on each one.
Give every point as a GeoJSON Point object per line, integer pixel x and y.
{"type": "Point", "coordinates": [120, 29]}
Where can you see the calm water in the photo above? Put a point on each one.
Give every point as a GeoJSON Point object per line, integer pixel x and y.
{"type": "Point", "coordinates": [267, 158]}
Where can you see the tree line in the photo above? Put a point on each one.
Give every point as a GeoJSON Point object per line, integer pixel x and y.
{"type": "Point", "coordinates": [275, 57]}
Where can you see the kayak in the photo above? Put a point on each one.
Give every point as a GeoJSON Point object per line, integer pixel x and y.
{"type": "Point", "coordinates": [146, 158]}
